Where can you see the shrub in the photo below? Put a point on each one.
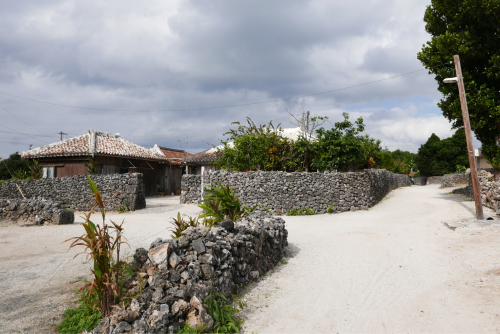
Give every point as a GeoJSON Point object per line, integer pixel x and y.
{"type": "Point", "coordinates": [92, 166]}
{"type": "Point", "coordinates": [36, 170]}
{"type": "Point", "coordinates": [220, 203]}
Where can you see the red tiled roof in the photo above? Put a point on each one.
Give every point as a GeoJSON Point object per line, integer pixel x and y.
{"type": "Point", "coordinates": [96, 142]}
{"type": "Point", "coordinates": [174, 156]}
{"type": "Point", "coordinates": [204, 156]}
{"type": "Point", "coordinates": [174, 153]}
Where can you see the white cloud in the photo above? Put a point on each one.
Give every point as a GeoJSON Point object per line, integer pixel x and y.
{"type": "Point", "coordinates": [192, 54]}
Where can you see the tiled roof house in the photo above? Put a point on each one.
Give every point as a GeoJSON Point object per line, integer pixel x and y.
{"type": "Point", "coordinates": [114, 154]}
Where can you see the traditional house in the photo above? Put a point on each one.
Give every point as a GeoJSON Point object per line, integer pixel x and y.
{"type": "Point", "coordinates": [174, 170]}
{"type": "Point", "coordinates": [113, 154]}
{"type": "Point", "coordinates": [204, 160]}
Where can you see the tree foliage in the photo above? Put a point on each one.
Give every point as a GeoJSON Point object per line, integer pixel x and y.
{"type": "Point", "coordinates": [264, 147]}
{"type": "Point", "coordinates": [260, 147]}
{"type": "Point", "coordinates": [439, 157]}
{"type": "Point", "coordinates": [340, 147]}
{"type": "Point", "coordinates": [471, 29]}
{"type": "Point", "coordinates": [16, 165]}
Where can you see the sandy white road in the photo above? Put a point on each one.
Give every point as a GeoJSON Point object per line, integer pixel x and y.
{"type": "Point", "coordinates": [393, 268]}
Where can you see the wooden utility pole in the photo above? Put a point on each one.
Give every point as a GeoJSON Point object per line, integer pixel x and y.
{"type": "Point", "coordinates": [62, 133]}
{"type": "Point", "coordinates": [468, 135]}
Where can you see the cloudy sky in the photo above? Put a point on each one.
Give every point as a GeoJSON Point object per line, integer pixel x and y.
{"type": "Point", "coordinates": [146, 59]}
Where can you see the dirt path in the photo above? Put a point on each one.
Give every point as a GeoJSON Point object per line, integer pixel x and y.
{"type": "Point", "coordinates": [393, 268]}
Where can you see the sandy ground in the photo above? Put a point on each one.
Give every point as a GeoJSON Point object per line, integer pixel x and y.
{"type": "Point", "coordinates": [393, 268]}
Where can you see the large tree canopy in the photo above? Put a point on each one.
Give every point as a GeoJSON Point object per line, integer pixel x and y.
{"type": "Point", "coordinates": [439, 157]}
{"type": "Point", "coordinates": [471, 29]}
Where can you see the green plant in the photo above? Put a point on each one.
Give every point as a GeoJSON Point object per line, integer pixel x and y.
{"type": "Point", "coordinates": [295, 212]}
{"type": "Point", "coordinates": [20, 174]}
{"type": "Point", "coordinates": [265, 208]}
{"type": "Point", "coordinates": [221, 203]}
{"type": "Point", "coordinates": [283, 261]}
{"type": "Point", "coordinates": [92, 166]}
{"type": "Point", "coordinates": [85, 317]}
{"type": "Point", "coordinates": [186, 329]}
{"type": "Point", "coordinates": [36, 170]}
{"type": "Point", "coordinates": [461, 169]}
{"type": "Point", "coordinates": [100, 247]}
{"type": "Point", "coordinates": [179, 225]}
{"type": "Point", "coordinates": [222, 312]}
{"type": "Point", "coordinates": [123, 207]}
{"type": "Point", "coordinates": [330, 208]}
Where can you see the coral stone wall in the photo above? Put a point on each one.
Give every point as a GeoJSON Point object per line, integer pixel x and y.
{"type": "Point", "coordinates": [38, 211]}
{"type": "Point", "coordinates": [281, 191]}
{"type": "Point", "coordinates": [450, 180]}
{"type": "Point", "coordinates": [420, 181]}
{"type": "Point", "coordinates": [175, 275]}
{"type": "Point", "coordinates": [74, 191]}
{"type": "Point", "coordinates": [434, 179]}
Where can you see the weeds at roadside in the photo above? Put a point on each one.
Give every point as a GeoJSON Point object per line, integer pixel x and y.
{"type": "Point", "coordinates": [123, 207]}
{"type": "Point", "coordinates": [294, 212]}
{"type": "Point", "coordinates": [330, 208]}
{"type": "Point", "coordinates": [186, 329]}
{"type": "Point", "coordinates": [85, 317]}
{"type": "Point", "coordinates": [223, 313]}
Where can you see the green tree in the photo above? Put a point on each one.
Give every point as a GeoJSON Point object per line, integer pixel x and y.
{"type": "Point", "coordinates": [15, 164]}
{"type": "Point", "coordinates": [403, 161]}
{"type": "Point", "coordinates": [439, 157]}
{"type": "Point", "coordinates": [387, 161]}
{"type": "Point", "coordinates": [340, 147]}
{"type": "Point", "coordinates": [471, 29]}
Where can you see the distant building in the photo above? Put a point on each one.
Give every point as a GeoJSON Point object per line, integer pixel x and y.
{"type": "Point", "coordinates": [480, 159]}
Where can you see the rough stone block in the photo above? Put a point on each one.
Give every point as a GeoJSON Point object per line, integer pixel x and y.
{"type": "Point", "coordinates": [199, 246]}
{"type": "Point", "coordinates": [159, 254]}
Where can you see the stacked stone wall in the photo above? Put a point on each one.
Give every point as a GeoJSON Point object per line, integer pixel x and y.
{"type": "Point", "coordinates": [451, 180]}
{"type": "Point", "coordinates": [74, 191]}
{"type": "Point", "coordinates": [281, 191]}
{"type": "Point", "coordinates": [34, 210]}
{"type": "Point", "coordinates": [434, 180]}
{"type": "Point", "coordinates": [420, 181]}
{"type": "Point", "coordinates": [175, 275]}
